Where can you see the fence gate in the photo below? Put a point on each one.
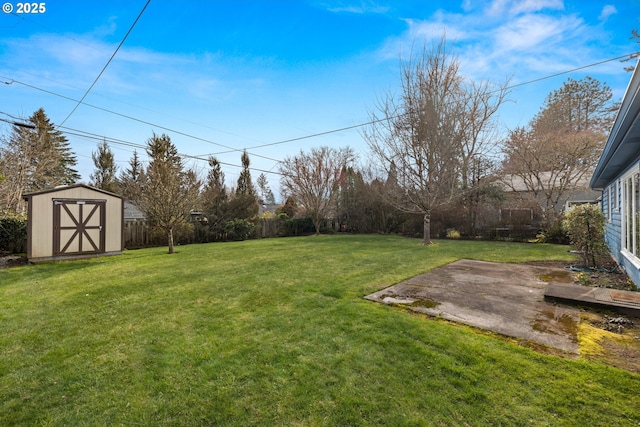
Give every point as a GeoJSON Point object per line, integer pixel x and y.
{"type": "Point", "coordinates": [78, 226]}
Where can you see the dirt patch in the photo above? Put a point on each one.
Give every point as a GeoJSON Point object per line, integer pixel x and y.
{"type": "Point", "coordinates": [12, 261]}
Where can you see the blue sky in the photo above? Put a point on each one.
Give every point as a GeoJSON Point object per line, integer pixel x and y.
{"type": "Point", "coordinates": [228, 75]}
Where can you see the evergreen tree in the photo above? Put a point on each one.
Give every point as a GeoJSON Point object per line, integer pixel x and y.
{"type": "Point", "coordinates": [245, 186]}
{"type": "Point", "coordinates": [244, 204]}
{"type": "Point", "coordinates": [130, 178]}
{"type": "Point", "coordinates": [53, 143]}
{"type": "Point", "coordinates": [215, 198]}
{"type": "Point", "coordinates": [265, 191]}
{"type": "Point", "coordinates": [104, 176]}
{"type": "Point", "coordinates": [35, 157]}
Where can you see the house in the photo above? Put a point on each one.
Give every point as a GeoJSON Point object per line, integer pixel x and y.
{"type": "Point", "coordinates": [72, 222]}
{"type": "Point", "coordinates": [617, 176]}
{"type": "Point", "coordinates": [578, 193]}
{"type": "Point", "coordinates": [132, 212]}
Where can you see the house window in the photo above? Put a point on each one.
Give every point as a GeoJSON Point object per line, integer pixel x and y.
{"type": "Point", "coordinates": [630, 215]}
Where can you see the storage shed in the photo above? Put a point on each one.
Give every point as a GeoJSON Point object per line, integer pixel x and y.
{"type": "Point", "coordinates": [73, 222]}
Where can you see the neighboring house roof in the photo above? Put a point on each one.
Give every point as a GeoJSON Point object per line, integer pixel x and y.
{"type": "Point", "coordinates": [267, 207]}
{"type": "Point", "coordinates": [576, 194]}
{"type": "Point", "coordinates": [623, 145]}
{"type": "Point", "coordinates": [132, 212]}
{"type": "Point", "coordinates": [516, 182]}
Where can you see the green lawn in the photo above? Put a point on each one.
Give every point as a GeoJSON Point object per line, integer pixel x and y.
{"type": "Point", "coordinates": [276, 332]}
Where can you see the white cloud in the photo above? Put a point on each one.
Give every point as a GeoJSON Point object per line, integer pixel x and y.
{"type": "Point", "coordinates": [607, 11]}
{"type": "Point", "coordinates": [359, 8]}
{"type": "Point", "coordinates": [527, 38]}
{"type": "Point", "coordinates": [502, 8]}
{"type": "Point", "coordinates": [533, 31]}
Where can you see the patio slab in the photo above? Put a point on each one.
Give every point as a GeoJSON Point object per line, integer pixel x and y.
{"type": "Point", "coordinates": [503, 298]}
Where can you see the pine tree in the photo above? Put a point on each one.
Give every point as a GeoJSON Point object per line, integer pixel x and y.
{"type": "Point", "coordinates": [215, 197]}
{"type": "Point", "coordinates": [130, 178]}
{"type": "Point", "coordinates": [54, 144]}
{"type": "Point", "coordinates": [35, 157]}
{"type": "Point", "coordinates": [104, 176]}
{"type": "Point", "coordinates": [265, 191]}
{"type": "Point", "coordinates": [245, 186]}
{"type": "Point", "coordinates": [244, 204]}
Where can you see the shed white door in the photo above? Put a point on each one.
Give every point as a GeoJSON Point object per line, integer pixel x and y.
{"type": "Point", "coordinates": [78, 226]}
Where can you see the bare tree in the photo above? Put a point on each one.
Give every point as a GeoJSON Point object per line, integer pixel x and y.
{"type": "Point", "coordinates": [168, 192]}
{"type": "Point", "coordinates": [313, 180]}
{"type": "Point", "coordinates": [432, 130]}
{"type": "Point", "coordinates": [635, 35]}
{"type": "Point", "coordinates": [561, 145]}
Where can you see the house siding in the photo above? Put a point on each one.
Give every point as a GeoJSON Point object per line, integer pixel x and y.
{"type": "Point", "coordinates": [613, 227]}
{"type": "Point", "coordinates": [618, 165]}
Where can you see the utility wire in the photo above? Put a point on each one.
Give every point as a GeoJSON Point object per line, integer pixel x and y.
{"type": "Point", "coordinates": [115, 141]}
{"type": "Point", "coordinates": [371, 122]}
{"type": "Point", "coordinates": [107, 64]}
{"type": "Point", "coordinates": [402, 114]}
{"type": "Point", "coordinates": [11, 81]}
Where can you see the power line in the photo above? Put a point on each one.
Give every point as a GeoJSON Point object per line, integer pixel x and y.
{"type": "Point", "coordinates": [90, 135]}
{"type": "Point", "coordinates": [23, 125]}
{"type": "Point", "coordinates": [107, 64]}
{"type": "Point", "coordinates": [371, 122]}
{"type": "Point", "coordinates": [572, 70]}
{"type": "Point", "coordinates": [116, 141]}
{"type": "Point", "coordinates": [11, 81]}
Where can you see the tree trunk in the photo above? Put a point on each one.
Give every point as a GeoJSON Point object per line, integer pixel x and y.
{"type": "Point", "coordinates": [426, 236]}
{"type": "Point", "coordinates": [317, 218]}
{"type": "Point", "coordinates": [170, 237]}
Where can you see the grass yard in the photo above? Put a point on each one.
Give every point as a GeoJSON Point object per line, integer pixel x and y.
{"type": "Point", "coordinates": [275, 332]}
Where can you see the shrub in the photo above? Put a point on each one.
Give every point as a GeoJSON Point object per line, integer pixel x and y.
{"type": "Point", "coordinates": [585, 226]}
{"type": "Point", "coordinates": [239, 229]}
{"type": "Point", "coordinates": [299, 226]}
{"type": "Point", "coordinates": [555, 233]}
{"type": "Point", "coordinates": [13, 235]}
{"type": "Point", "coordinates": [452, 233]}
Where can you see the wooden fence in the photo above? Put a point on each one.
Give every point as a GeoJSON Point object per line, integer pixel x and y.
{"type": "Point", "coordinates": [136, 234]}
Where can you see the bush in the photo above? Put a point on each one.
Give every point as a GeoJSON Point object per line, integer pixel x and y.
{"type": "Point", "coordinates": [452, 233]}
{"type": "Point", "coordinates": [299, 226]}
{"type": "Point", "coordinates": [13, 235]}
{"type": "Point", "coordinates": [556, 233]}
{"type": "Point", "coordinates": [585, 226]}
{"type": "Point", "coordinates": [239, 229]}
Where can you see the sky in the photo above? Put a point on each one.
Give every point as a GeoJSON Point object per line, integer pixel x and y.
{"type": "Point", "coordinates": [222, 76]}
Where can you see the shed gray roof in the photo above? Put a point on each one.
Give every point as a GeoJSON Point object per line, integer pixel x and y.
{"type": "Point", "coordinates": [26, 196]}
{"type": "Point", "coordinates": [623, 145]}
